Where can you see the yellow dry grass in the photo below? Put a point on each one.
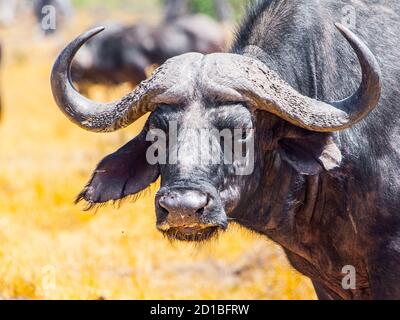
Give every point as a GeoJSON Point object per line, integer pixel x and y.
{"type": "Point", "coordinates": [51, 249]}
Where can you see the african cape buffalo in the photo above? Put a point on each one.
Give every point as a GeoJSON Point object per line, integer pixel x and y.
{"type": "Point", "coordinates": [326, 178]}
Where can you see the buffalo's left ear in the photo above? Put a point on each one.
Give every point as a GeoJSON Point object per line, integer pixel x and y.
{"type": "Point", "coordinates": [311, 155]}
{"type": "Point", "coordinates": [120, 174]}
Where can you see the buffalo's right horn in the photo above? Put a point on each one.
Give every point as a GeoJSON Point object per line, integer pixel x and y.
{"type": "Point", "coordinates": [107, 117]}
{"type": "Point", "coordinates": [265, 90]}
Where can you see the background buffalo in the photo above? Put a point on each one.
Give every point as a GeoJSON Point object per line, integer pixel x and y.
{"type": "Point", "coordinates": [128, 53]}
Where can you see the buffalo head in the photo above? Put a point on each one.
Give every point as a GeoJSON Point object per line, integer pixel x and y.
{"type": "Point", "coordinates": [191, 97]}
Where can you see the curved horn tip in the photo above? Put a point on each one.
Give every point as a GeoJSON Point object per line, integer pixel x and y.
{"type": "Point", "coordinates": [341, 27]}
{"type": "Point", "coordinates": [367, 96]}
{"type": "Point", "coordinates": [345, 31]}
{"type": "Point", "coordinates": [91, 33]}
{"type": "Point", "coordinates": [90, 115]}
{"type": "Point", "coordinates": [67, 55]}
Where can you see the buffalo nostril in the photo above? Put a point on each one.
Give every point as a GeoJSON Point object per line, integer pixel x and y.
{"type": "Point", "coordinates": [183, 207]}
{"type": "Point", "coordinates": [200, 211]}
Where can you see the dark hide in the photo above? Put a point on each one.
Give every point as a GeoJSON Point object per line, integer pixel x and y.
{"type": "Point", "coordinates": [349, 215]}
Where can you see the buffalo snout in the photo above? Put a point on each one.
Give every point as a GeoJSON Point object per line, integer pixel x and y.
{"type": "Point", "coordinates": [189, 215]}
{"type": "Point", "coordinates": [183, 208]}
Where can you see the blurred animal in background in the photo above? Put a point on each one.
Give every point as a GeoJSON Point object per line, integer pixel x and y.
{"type": "Point", "coordinates": [44, 10]}
{"type": "Point", "coordinates": [8, 10]}
{"type": "Point", "coordinates": [102, 61]}
{"type": "Point", "coordinates": [128, 53]}
{"type": "Point", "coordinates": [323, 178]}
{"type": "Point", "coordinates": [220, 10]}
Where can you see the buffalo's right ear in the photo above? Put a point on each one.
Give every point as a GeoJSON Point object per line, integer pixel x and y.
{"type": "Point", "coordinates": [310, 155]}
{"type": "Point", "coordinates": [120, 174]}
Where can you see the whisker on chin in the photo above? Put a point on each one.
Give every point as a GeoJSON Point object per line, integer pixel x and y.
{"type": "Point", "coordinates": [175, 234]}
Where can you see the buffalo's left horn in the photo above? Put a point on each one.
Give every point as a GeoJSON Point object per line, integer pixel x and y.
{"type": "Point", "coordinates": [106, 117]}
{"type": "Point", "coordinates": [265, 90]}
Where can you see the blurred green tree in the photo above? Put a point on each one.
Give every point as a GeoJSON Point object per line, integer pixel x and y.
{"type": "Point", "coordinates": [213, 7]}
{"type": "Point", "coordinates": [200, 6]}
{"type": "Point", "coordinates": [203, 6]}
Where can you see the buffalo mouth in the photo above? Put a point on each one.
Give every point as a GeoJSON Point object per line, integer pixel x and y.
{"type": "Point", "coordinates": [192, 234]}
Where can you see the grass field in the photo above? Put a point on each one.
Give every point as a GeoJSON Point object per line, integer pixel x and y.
{"type": "Point", "coordinates": [51, 249]}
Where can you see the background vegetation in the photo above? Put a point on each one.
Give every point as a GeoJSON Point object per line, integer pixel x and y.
{"type": "Point", "coordinates": [203, 6]}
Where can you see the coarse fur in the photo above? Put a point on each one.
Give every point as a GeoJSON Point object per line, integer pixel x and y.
{"type": "Point", "coordinates": [354, 220]}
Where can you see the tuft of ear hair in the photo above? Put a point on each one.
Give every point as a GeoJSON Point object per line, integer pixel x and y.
{"type": "Point", "coordinates": [311, 155]}
{"type": "Point", "coordinates": [89, 206]}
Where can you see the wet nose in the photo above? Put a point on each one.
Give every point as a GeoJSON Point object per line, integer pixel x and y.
{"type": "Point", "coordinates": [183, 208]}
